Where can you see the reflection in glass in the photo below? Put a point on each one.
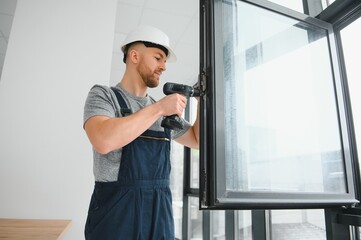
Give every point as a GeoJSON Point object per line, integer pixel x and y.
{"type": "Point", "coordinates": [280, 115]}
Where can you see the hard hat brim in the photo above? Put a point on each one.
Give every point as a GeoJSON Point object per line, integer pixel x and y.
{"type": "Point", "coordinates": [150, 34]}
{"type": "Point", "coordinates": [171, 57]}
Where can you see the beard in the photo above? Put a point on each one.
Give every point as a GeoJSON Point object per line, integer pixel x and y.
{"type": "Point", "coordinates": [150, 79]}
{"type": "Point", "coordinates": [151, 82]}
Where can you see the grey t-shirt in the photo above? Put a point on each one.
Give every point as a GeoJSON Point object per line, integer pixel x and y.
{"type": "Point", "coordinates": [102, 101]}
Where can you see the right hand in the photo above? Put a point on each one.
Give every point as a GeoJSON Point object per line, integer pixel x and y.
{"type": "Point", "coordinates": [173, 104]}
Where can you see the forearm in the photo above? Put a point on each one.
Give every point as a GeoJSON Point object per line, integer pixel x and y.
{"type": "Point", "coordinates": [195, 127]}
{"type": "Point", "coordinates": [107, 134]}
{"type": "Point", "coordinates": [191, 137]}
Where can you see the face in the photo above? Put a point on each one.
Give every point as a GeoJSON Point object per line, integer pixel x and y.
{"type": "Point", "coordinates": [151, 66]}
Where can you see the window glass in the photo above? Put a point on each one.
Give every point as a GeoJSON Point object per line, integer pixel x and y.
{"type": "Point", "coordinates": [196, 219]}
{"type": "Point", "coordinates": [352, 51]}
{"type": "Point", "coordinates": [281, 129]}
{"type": "Point", "coordinates": [326, 3]}
{"type": "Point", "coordinates": [176, 186]}
{"type": "Point", "coordinates": [194, 152]}
{"type": "Point", "coordinates": [195, 168]}
{"type": "Point", "coordinates": [242, 221]}
{"type": "Point", "coordinates": [298, 225]}
{"type": "Point", "coordinates": [245, 225]}
{"type": "Point", "coordinates": [218, 225]}
{"type": "Point", "coordinates": [351, 39]}
{"type": "Point", "coordinates": [298, 6]}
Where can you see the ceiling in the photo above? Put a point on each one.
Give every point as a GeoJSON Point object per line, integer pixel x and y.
{"type": "Point", "coordinates": [178, 19]}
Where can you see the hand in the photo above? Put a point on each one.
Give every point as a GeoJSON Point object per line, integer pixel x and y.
{"type": "Point", "coordinates": [173, 104]}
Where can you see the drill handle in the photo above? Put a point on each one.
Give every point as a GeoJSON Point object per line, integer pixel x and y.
{"type": "Point", "coordinates": [173, 122]}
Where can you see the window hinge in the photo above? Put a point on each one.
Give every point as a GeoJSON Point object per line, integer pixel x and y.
{"type": "Point", "coordinates": [202, 82]}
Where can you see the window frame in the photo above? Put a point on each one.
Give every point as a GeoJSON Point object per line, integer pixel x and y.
{"type": "Point", "coordinates": [212, 186]}
{"type": "Point", "coordinates": [341, 17]}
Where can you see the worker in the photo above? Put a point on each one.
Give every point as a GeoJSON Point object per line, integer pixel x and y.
{"type": "Point", "coordinates": [131, 151]}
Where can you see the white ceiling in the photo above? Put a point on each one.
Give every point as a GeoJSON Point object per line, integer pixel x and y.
{"type": "Point", "coordinates": [178, 18]}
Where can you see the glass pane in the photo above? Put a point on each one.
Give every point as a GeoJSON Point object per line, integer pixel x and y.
{"type": "Point", "coordinates": [352, 51]}
{"type": "Point", "coordinates": [245, 225]}
{"type": "Point", "coordinates": [194, 152]}
{"type": "Point", "coordinates": [296, 5]}
{"type": "Point", "coordinates": [280, 112]}
{"type": "Point", "coordinates": [176, 185]}
{"type": "Point", "coordinates": [326, 3]}
{"type": "Point", "coordinates": [194, 168]}
{"type": "Point", "coordinates": [218, 225]}
{"type": "Point", "coordinates": [196, 220]}
{"type": "Point", "coordinates": [298, 225]}
{"type": "Point", "coordinates": [243, 221]}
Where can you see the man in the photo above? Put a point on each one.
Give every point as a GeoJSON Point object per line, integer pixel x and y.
{"type": "Point", "coordinates": [131, 198]}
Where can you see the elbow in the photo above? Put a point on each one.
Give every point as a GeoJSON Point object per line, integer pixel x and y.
{"type": "Point", "coordinates": [193, 144]}
{"type": "Point", "coordinates": [103, 147]}
{"type": "Point", "coordinates": [102, 150]}
{"type": "Point", "coordinates": [196, 137]}
{"type": "Point", "coordinates": [196, 146]}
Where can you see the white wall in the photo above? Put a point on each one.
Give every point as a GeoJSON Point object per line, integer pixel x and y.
{"type": "Point", "coordinates": [57, 50]}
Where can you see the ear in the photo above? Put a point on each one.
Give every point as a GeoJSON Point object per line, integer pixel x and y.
{"type": "Point", "coordinates": [134, 55]}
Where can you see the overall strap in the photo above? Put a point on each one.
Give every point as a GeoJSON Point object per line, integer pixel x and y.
{"type": "Point", "coordinates": [123, 105]}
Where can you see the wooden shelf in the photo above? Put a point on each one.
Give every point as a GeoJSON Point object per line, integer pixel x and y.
{"type": "Point", "coordinates": [28, 229]}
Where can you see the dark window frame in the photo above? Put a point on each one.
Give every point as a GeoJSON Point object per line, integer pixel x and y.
{"type": "Point", "coordinates": [334, 217]}
{"type": "Point", "coordinates": [209, 197]}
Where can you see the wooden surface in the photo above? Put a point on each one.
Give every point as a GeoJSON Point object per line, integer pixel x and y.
{"type": "Point", "coordinates": [28, 229]}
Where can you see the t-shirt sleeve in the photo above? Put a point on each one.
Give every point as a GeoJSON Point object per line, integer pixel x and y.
{"type": "Point", "coordinates": [99, 103]}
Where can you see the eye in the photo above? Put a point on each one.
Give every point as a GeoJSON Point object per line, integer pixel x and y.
{"type": "Point", "coordinates": [158, 58]}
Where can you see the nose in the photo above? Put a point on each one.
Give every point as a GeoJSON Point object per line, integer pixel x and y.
{"type": "Point", "coordinates": [163, 66]}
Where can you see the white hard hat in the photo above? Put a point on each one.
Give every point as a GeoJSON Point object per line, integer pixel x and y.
{"type": "Point", "coordinates": [151, 35]}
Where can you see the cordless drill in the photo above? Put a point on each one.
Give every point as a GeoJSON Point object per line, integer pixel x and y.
{"type": "Point", "coordinates": [174, 122]}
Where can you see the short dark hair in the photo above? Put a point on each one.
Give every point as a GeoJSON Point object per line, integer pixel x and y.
{"type": "Point", "coordinates": [147, 44]}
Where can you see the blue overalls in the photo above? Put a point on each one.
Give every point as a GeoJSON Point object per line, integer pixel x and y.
{"type": "Point", "coordinates": [139, 204]}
